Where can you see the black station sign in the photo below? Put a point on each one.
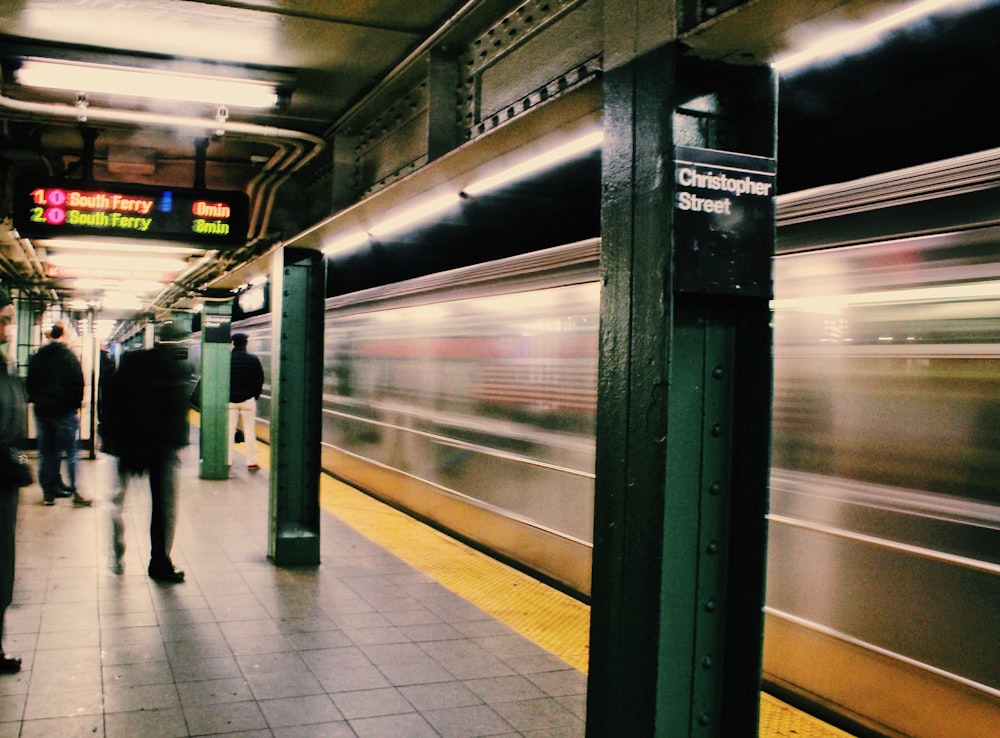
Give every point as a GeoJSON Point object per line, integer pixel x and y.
{"type": "Point", "coordinates": [215, 328]}
{"type": "Point", "coordinates": [51, 208]}
{"type": "Point", "coordinates": [723, 222]}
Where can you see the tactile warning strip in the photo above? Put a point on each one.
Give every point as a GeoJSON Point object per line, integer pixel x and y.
{"type": "Point", "coordinates": [553, 620]}
{"type": "Point", "coordinates": [778, 719]}
{"type": "Point", "coordinates": [556, 622]}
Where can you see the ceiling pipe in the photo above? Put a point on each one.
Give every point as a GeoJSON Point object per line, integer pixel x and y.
{"type": "Point", "coordinates": [295, 150]}
{"type": "Point", "coordinates": [300, 140]}
{"type": "Point", "coordinates": [200, 162]}
{"type": "Point", "coordinates": [255, 188]}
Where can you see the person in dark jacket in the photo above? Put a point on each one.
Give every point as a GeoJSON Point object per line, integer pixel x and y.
{"type": "Point", "coordinates": [246, 380]}
{"type": "Point", "coordinates": [11, 433]}
{"type": "Point", "coordinates": [145, 424]}
{"type": "Point", "coordinates": [55, 386]}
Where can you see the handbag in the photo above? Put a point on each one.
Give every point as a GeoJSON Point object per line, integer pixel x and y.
{"type": "Point", "coordinates": [15, 467]}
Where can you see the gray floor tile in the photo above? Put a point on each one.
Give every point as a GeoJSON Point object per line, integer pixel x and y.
{"type": "Point", "coordinates": [292, 711]}
{"type": "Point", "coordinates": [409, 725]}
{"type": "Point", "coordinates": [83, 726]}
{"type": "Point", "coordinates": [542, 714]}
{"type": "Point", "coordinates": [466, 722]}
{"type": "Point", "coordinates": [214, 691]}
{"type": "Point", "coordinates": [362, 646]}
{"type": "Point", "coordinates": [372, 703]}
{"type": "Point", "coordinates": [225, 717]}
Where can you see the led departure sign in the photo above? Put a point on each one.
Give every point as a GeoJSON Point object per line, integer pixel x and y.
{"type": "Point", "coordinates": [62, 208]}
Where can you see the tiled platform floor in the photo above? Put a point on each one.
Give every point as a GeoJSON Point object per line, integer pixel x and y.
{"type": "Point", "coordinates": [362, 645]}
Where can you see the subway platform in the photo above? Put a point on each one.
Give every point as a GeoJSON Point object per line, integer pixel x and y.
{"type": "Point", "coordinates": [400, 631]}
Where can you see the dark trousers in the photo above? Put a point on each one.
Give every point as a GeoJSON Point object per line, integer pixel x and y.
{"type": "Point", "coordinates": [162, 471]}
{"type": "Point", "coordinates": [56, 438]}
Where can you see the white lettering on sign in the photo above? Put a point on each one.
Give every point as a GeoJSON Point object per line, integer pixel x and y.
{"type": "Point", "coordinates": [691, 177]}
{"type": "Point", "coordinates": [690, 201]}
{"type": "Point", "coordinates": [715, 181]}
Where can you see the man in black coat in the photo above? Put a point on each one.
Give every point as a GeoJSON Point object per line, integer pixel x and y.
{"type": "Point", "coordinates": [11, 434]}
{"type": "Point", "coordinates": [145, 424]}
{"type": "Point", "coordinates": [55, 387]}
{"type": "Point", "coordinates": [246, 381]}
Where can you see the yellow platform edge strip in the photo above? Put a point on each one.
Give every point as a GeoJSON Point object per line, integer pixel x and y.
{"type": "Point", "coordinates": [555, 621]}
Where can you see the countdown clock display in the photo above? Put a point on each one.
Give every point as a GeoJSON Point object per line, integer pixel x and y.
{"type": "Point", "coordinates": [51, 208]}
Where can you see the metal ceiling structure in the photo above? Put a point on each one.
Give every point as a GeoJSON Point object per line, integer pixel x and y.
{"type": "Point", "coordinates": [354, 72]}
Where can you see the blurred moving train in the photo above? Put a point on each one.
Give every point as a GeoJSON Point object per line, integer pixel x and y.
{"type": "Point", "coordinates": [468, 398]}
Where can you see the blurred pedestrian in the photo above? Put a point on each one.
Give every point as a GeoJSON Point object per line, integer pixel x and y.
{"type": "Point", "coordinates": [246, 380]}
{"type": "Point", "coordinates": [12, 419]}
{"type": "Point", "coordinates": [145, 424]}
{"type": "Point", "coordinates": [55, 387]}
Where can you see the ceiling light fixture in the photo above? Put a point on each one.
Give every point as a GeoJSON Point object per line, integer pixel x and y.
{"type": "Point", "coordinates": [345, 243]}
{"type": "Point", "coordinates": [843, 42]}
{"type": "Point", "coordinates": [556, 155]}
{"type": "Point", "coordinates": [87, 77]}
{"type": "Point", "coordinates": [120, 246]}
{"type": "Point", "coordinates": [117, 263]}
{"type": "Point", "coordinates": [418, 213]}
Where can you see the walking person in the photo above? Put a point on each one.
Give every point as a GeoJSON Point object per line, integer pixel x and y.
{"type": "Point", "coordinates": [145, 424]}
{"type": "Point", "coordinates": [55, 387]}
{"type": "Point", "coordinates": [12, 423]}
{"type": "Point", "coordinates": [246, 380]}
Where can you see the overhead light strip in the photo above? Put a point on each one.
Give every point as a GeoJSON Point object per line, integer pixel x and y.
{"type": "Point", "coordinates": [550, 158]}
{"type": "Point", "coordinates": [426, 210]}
{"type": "Point", "coordinates": [86, 77]}
{"type": "Point", "coordinates": [844, 42]}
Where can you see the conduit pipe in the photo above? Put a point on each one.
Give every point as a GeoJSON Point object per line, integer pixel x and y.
{"type": "Point", "coordinates": [295, 150]}
{"type": "Point", "coordinates": [299, 140]}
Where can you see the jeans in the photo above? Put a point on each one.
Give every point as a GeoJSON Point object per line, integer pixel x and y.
{"type": "Point", "coordinates": [56, 437]}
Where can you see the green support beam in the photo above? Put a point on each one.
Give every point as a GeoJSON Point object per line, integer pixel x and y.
{"type": "Point", "coordinates": [297, 301]}
{"type": "Point", "coordinates": [213, 438]}
{"type": "Point", "coordinates": [684, 399]}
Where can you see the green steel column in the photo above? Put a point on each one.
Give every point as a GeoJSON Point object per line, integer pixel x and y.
{"type": "Point", "coordinates": [24, 308]}
{"type": "Point", "coordinates": [683, 403]}
{"type": "Point", "coordinates": [213, 437]}
{"type": "Point", "coordinates": [297, 295]}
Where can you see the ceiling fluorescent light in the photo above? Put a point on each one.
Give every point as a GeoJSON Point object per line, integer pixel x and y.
{"type": "Point", "coordinates": [852, 39]}
{"type": "Point", "coordinates": [118, 263]}
{"type": "Point", "coordinates": [550, 158]}
{"type": "Point", "coordinates": [416, 214]}
{"type": "Point", "coordinates": [85, 77]}
{"type": "Point", "coordinates": [345, 243]}
{"type": "Point", "coordinates": [123, 246]}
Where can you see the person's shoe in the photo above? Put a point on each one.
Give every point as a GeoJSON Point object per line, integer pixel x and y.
{"type": "Point", "coordinates": [81, 501]}
{"type": "Point", "coordinates": [166, 574]}
{"type": "Point", "coordinates": [9, 664]}
{"type": "Point", "coordinates": [48, 499]}
{"type": "Point", "coordinates": [253, 467]}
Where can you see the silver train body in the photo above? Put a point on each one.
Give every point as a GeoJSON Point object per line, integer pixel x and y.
{"type": "Point", "coordinates": [468, 398]}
